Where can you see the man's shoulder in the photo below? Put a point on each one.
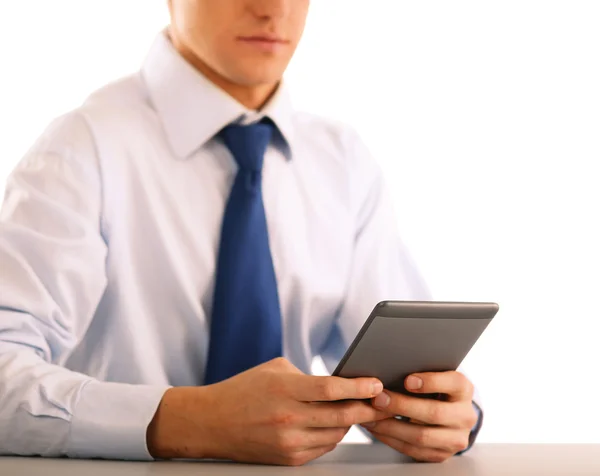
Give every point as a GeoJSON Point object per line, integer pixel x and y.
{"type": "Point", "coordinates": [113, 111]}
{"type": "Point", "coordinates": [334, 134]}
{"type": "Point", "coordinates": [119, 110]}
{"type": "Point", "coordinates": [115, 102]}
{"type": "Point", "coordinates": [323, 126]}
{"type": "Point", "coordinates": [125, 90]}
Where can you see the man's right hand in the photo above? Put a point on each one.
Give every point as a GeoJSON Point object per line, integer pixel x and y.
{"type": "Point", "coordinates": [271, 414]}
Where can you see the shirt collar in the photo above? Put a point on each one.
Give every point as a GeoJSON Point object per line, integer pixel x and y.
{"type": "Point", "coordinates": [193, 110]}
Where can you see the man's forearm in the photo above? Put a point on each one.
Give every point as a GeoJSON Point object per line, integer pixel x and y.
{"type": "Point", "coordinates": [177, 430]}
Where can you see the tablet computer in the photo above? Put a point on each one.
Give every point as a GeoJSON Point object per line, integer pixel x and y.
{"type": "Point", "coordinates": [404, 337]}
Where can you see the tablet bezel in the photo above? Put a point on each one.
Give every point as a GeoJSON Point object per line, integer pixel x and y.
{"type": "Point", "coordinates": [421, 310]}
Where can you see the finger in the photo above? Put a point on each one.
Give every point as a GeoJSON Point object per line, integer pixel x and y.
{"type": "Point", "coordinates": [417, 422]}
{"type": "Point", "coordinates": [320, 437]}
{"type": "Point", "coordinates": [302, 457]}
{"type": "Point", "coordinates": [308, 388]}
{"type": "Point", "coordinates": [430, 455]}
{"type": "Point", "coordinates": [454, 384]}
{"type": "Point", "coordinates": [281, 364]}
{"type": "Point", "coordinates": [447, 439]}
{"type": "Point", "coordinates": [428, 411]}
{"type": "Point", "coordinates": [340, 414]}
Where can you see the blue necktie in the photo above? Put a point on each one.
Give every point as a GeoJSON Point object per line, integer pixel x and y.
{"type": "Point", "coordinates": [246, 319]}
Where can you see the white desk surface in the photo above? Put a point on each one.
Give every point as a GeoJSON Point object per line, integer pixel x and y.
{"type": "Point", "coordinates": [346, 460]}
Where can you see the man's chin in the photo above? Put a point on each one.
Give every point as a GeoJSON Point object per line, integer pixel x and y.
{"type": "Point", "coordinates": [257, 80]}
{"type": "Point", "coordinates": [258, 72]}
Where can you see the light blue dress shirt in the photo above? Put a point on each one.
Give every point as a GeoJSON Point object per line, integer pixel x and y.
{"type": "Point", "coordinates": [108, 243]}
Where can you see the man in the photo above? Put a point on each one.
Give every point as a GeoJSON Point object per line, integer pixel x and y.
{"type": "Point", "coordinates": [176, 251]}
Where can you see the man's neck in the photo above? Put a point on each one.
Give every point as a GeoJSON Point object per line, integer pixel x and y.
{"type": "Point", "coordinates": [251, 97]}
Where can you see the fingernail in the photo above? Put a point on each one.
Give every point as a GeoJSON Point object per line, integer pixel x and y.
{"type": "Point", "coordinates": [376, 388]}
{"type": "Point", "coordinates": [369, 425]}
{"type": "Point", "coordinates": [382, 400]}
{"type": "Point", "coordinates": [414, 383]}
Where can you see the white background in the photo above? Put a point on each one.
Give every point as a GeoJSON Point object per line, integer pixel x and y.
{"type": "Point", "coordinates": [485, 117]}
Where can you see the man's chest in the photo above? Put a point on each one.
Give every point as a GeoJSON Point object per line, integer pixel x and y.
{"type": "Point", "coordinates": [163, 226]}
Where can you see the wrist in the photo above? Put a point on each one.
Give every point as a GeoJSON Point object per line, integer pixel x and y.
{"type": "Point", "coordinates": [181, 427]}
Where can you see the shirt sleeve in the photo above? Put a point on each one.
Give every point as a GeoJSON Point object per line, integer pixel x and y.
{"type": "Point", "coordinates": [383, 268]}
{"type": "Point", "coordinates": [52, 277]}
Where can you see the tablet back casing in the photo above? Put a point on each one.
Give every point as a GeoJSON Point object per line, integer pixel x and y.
{"type": "Point", "coordinates": [404, 337]}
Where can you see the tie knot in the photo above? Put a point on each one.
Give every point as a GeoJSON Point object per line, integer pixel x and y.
{"type": "Point", "coordinates": [248, 144]}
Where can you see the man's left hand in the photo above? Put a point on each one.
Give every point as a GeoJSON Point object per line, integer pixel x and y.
{"type": "Point", "coordinates": [431, 430]}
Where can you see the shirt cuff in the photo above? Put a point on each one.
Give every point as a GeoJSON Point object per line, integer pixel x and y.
{"type": "Point", "coordinates": [111, 419]}
{"type": "Point", "coordinates": [475, 430]}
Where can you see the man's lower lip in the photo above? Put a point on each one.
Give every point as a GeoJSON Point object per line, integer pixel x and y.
{"type": "Point", "coordinates": [264, 45]}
